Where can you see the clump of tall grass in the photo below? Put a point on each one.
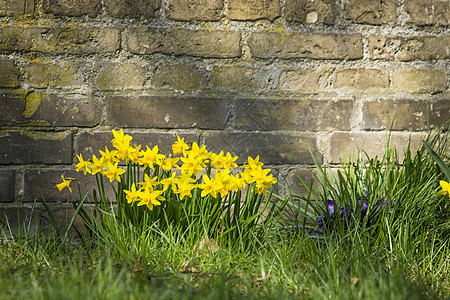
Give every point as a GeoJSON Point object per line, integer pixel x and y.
{"type": "Point", "coordinates": [382, 205]}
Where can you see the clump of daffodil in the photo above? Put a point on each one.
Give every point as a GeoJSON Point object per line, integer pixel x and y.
{"type": "Point", "coordinates": [189, 167]}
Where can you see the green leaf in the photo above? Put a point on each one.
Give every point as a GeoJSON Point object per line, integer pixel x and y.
{"type": "Point", "coordinates": [438, 160]}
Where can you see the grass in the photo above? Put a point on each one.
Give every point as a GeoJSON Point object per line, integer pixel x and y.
{"type": "Point", "coordinates": [404, 253]}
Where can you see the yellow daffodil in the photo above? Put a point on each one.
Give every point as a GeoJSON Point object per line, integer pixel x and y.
{"type": "Point", "coordinates": [185, 186]}
{"type": "Point", "coordinates": [230, 161]}
{"type": "Point", "coordinates": [108, 156]}
{"type": "Point", "coordinates": [179, 147]}
{"type": "Point", "coordinates": [120, 138]}
{"type": "Point", "coordinates": [445, 187]}
{"type": "Point", "coordinates": [198, 152]}
{"type": "Point", "coordinates": [148, 182]}
{"type": "Point", "coordinates": [169, 163]}
{"type": "Point", "coordinates": [97, 165]}
{"type": "Point", "coordinates": [208, 187]}
{"type": "Point", "coordinates": [83, 165]}
{"type": "Point", "coordinates": [64, 184]}
{"type": "Point", "coordinates": [133, 194]}
{"type": "Point", "coordinates": [192, 165]}
{"type": "Point", "coordinates": [169, 182]}
{"type": "Point", "coordinates": [114, 172]}
{"type": "Point", "coordinates": [150, 198]}
{"type": "Point", "coordinates": [253, 163]}
{"type": "Point", "coordinates": [151, 157]}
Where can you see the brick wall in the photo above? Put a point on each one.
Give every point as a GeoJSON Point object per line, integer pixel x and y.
{"type": "Point", "coordinates": [267, 77]}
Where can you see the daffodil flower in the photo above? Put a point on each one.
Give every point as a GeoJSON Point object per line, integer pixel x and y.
{"type": "Point", "coordinates": [114, 172]}
{"type": "Point", "coordinates": [179, 147]}
{"type": "Point", "coordinates": [64, 184]}
{"type": "Point", "coordinates": [133, 194]}
{"type": "Point", "coordinates": [83, 165]}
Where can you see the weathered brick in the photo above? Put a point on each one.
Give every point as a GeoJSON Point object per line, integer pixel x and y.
{"type": "Point", "coordinates": [361, 79]}
{"type": "Point", "coordinates": [373, 12]}
{"type": "Point", "coordinates": [428, 12]}
{"type": "Point", "coordinates": [304, 115]}
{"type": "Point", "coordinates": [165, 112]}
{"type": "Point", "coordinates": [10, 8]}
{"type": "Point", "coordinates": [89, 143]}
{"type": "Point", "coordinates": [181, 41]}
{"type": "Point", "coordinates": [59, 40]}
{"type": "Point", "coordinates": [7, 185]}
{"type": "Point", "coordinates": [305, 81]}
{"type": "Point", "coordinates": [419, 80]}
{"type": "Point", "coordinates": [272, 148]}
{"type": "Point", "coordinates": [119, 76]}
{"type": "Point", "coordinates": [19, 218]}
{"type": "Point", "coordinates": [241, 79]}
{"type": "Point", "coordinates": [253, 9]}
{"type": "Point", "coordinates": [42, 183]}
{"type": "Point", "coordinates": [405, 114]}
{"type": "Point", "coordinates": [40, 109]}
{"type": "Point", "coordinates": [409, 48]}
{"type": "Point", "coordinates": [132, 8]}
{"type": "Point", "coordinates": [306, 45]}
{"type": "Point", "coordinates": [28, 147]}
{"type": "Point", "coordinates": [294, 183]}
{"type": "Point", "coordinates": [311, 11]}
{"type": "Point", "coordinates": [72, 8]}
{"type": "Point", "coordinates": [9, 74]}
{"type": "Point", "coordinates": [199, 10]}
{"type": "Point", "coordinates": [344, 144]}
{"type": "Point", "coordinates": [178, 77]}
{"type": "Point", "coordinates": [61, 74]}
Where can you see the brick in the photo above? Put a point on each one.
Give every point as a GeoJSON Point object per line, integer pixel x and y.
{"type": "Point", "coordinates": [405, 114]}
{"type": "Point", "coordinates": [59, 40]}
{"type": "Point", "coordinates": [361, 79]}
{"type": "Point", "coordinates": [132, 8]}
{"type": "Point", "coordinates": [294, 183]}
{"type": "Point", "coordinates": [181, 41]}
{"type": "Point", "coordinates": [303, 115]}
{"type": "Point", "coordinates": [198, 10]}
{"type": "Point", "coordinates": [178, 77]}
{"type": "Point", "coordinates": [374, 12]}
{"type": "Point", "coordinates": [428, 12]}
{"type": "Point", "coordinates": [33, 147]}
{"type": "Point", "coordinates": [7, 185]}
{"type": "Point", "coordinates": [272, 148]}
{"type": "Point", "coordinates": [305, 45]}
{"type": "Point", "coordinates": [245, 10]}
{"type": "Point", "coordinates": [18, 217]}
{"type": "Point", "coordinates": [9, 75]}
{"type": "Point", "coordinates": [61, 74]}
{"type": "Point", "coordinates": [89, 143]}
{"type": "Point", "coordinates": [373, 143]}
{"type": "Point", "coordinates": [40, 109]}
{"type": "Point", "coordinates": [305, 81]}
{"type": "Point", "coordinates": [409, 48]}
{"type": "Point", "coordinates": [242, 79]}
{"type": "Point", "coordinates": [11, 8]}
{"type": "Point", "coordinates": [42, 182]}
{"type": "Point", "coordinates": [72, 8]}
{"type": "Point", "coordinates": [165, 112]}
{"type": "Point", "coordinates": [417, 81]}
{"type": "Point", "coordinates": [311, 11]}
{"type": "Point", "coordinates": [119, 76]}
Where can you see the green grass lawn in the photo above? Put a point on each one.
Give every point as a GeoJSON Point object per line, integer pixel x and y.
{"type": "Point", "coordinates": [375, 230]}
